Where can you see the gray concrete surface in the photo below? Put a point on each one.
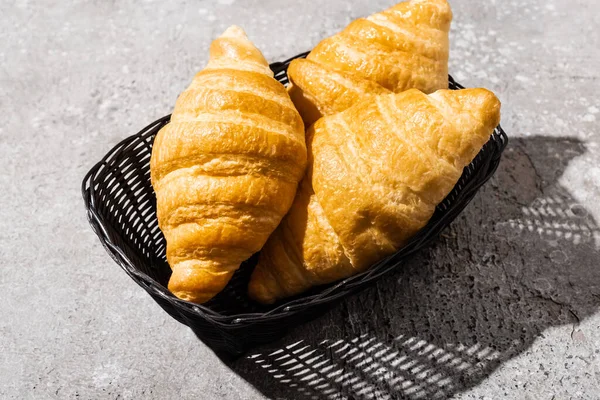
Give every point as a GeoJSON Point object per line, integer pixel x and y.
{"type": "Point", "coordinates": [504, 305]}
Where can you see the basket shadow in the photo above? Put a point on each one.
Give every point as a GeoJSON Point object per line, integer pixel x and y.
{"type": "Point", "coordinates": [517, 261]}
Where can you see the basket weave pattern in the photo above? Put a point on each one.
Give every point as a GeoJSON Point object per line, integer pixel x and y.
{"type": "Point", "coordinates": [121, 208]}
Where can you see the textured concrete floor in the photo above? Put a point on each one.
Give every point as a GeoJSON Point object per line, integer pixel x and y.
{"type": "Point", "coordinates": [504, 305]}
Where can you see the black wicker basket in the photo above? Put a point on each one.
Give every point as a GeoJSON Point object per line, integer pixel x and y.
{"type": "Point", "coordinates": [121, 207]}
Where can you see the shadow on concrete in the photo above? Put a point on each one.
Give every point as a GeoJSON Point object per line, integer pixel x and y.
{"type": "Point", "coordinates": [520, 259]}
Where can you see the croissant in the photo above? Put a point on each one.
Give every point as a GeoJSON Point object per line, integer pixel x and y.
{"type": "Point", "coordinates": [226, 168]}
{"type": "Point", "coordinates": [376, 173]}
{"type": "Point", "coordinates": [400, 48]}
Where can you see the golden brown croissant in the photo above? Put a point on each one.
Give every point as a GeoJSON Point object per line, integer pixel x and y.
{"type": "Point", "coordinates": [226, 168]}
{"type": "Point", "coordinates": [400, 48]}
{"type": "Point", "coordinates": [378, 171]}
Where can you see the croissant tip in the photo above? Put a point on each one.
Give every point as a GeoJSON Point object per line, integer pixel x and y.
{"type": "Point", "coordinates": [258, 293]}
{"type": "Point", "coordinates": [234, 31]}
{"type": "Point", "coordinates": [191, 294]}
{"type": "Point", "coordinates": [487, 97]}
{"type": "Point", "coordinates": [258, 289]}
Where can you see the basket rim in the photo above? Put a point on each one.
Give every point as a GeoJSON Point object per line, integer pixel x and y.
{"type": "Point", "coordinates": [286, 308]}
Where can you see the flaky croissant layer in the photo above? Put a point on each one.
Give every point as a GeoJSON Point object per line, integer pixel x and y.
{"type": "Point", "coordinates": [226, 168]}
{"type": "Point", "coordinates": [376, 173]}
{"type": "Point", "coordinates": [403, 47]}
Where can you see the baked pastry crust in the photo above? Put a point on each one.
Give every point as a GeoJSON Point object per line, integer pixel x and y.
{"type": "Point", "coordinates": [403, 47]}
{"type": "Point", "coordinates": [376, 173]}
{"type": "Point", "coordinates": [226, 168]}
